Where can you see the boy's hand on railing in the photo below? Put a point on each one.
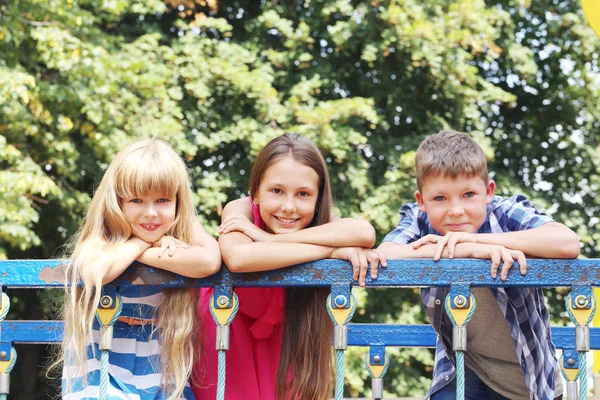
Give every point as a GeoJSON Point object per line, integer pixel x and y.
{"type": "Point", "coordinates": [240, 223]}
{"type": "Point", "coordinates": [168, 244]}
{"type": "Point", "coordinates": [361, 258]}
{"type": "Point", "coordinates": [449, 240]}
{"type": "Point", "coordinates": [497, 254]}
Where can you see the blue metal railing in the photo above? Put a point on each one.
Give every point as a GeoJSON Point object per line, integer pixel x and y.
{"type": "Point", "coordinates": [458, 274]}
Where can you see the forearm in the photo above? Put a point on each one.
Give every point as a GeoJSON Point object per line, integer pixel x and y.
{"type": "Point", "coordinates": [262, 256]}
{"type": "Point", "coordinates": [462, 250]}
{"type": "Point", "coordinates": [193, 262]}
{"type": "Point", "coordinates": [551, 240]}
{"type": "Point", "coordinates": [346, 232]}
{"type": "Point", "coordinates": [406, 251]}
{"type": "Point", "coordinates": [123, 255]}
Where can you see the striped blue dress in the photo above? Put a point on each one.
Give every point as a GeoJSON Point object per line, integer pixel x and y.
{"type": "Point", "coordinates": [134, 368]}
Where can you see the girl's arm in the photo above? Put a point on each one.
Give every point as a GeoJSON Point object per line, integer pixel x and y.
{"type": "Point", "coordinates": [121, 255]}
{"type": "Point", "coordinates": [242, 254]}
{"type": "Point", "coordinates": [345, 232]}
{"type": "Point", "coordinates": [202, 258]}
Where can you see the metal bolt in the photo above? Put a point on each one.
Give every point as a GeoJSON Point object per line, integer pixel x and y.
{"type": "Point", "coordinates": [460, 301]}
{"type": "Point", "coordinates": [570, 361]}
{"type": "Point", "coordinates": [376, 359]}
{"type": "Point", "coordinates": [340, 301]}
{"type": "Point", "coordinates": [223, 301]}
{"type": "Point", "coordinates": [106, 301]}
{"type": "Point", "coordinates": [581, 301]}
{"type": "Point", "coordinates": [3, 355]}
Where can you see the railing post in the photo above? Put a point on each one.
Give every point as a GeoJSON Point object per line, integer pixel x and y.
{"type": "Point", "coordinates": [224, 305]}
{"type": "Point", "coordinates": [569, 365]}
{"type": "Point", "coordinates": [377, 364]}
{"type": "Point", "coordinates": [341, 304]}
{"type": "Point", "coordinates": [460, 306]}
{"type": "Point", "coordinates": [581, 307]}
{"type": "Point", "coordinates": [108, 311]}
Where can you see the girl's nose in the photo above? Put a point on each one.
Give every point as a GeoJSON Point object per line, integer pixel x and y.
{"type": "Point", "coordinates": [288, 206]}
{"type": "Point", "coordinates": [151, 211]}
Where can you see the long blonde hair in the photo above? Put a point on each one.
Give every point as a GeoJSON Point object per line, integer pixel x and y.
{"type": "Point", "coordinates": [144, 167]}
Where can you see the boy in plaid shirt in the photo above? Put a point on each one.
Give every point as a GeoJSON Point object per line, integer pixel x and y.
{"type": "Point", "coordinates": [510, 354]}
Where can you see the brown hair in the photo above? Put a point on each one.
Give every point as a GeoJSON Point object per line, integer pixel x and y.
{"type": "Point", "coordinates": [306, 346]}
{"type": "Point", "coordinates": [452, 154]}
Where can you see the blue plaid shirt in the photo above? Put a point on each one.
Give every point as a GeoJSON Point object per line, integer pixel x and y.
{"type": "Point", "coordinates": [524, 308]}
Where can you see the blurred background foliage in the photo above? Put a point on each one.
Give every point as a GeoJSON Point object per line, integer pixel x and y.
{"type": "Point", "coordinates": [366, 80]}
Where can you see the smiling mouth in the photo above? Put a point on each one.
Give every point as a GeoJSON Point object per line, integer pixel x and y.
{"type": "Point", "coordinates": [286, 221]}
{"type": "Point", "coordinates": [458, 225]}
{"type": "Point", "coordinates": [150, 227]}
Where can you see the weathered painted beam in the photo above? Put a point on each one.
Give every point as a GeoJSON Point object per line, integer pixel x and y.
{"type": "Point", "coordinates": [399, 273]}
{"type": "Point", "coordinates": [358, 334]}
{"type": "Point", "coordinates": [425, 336]}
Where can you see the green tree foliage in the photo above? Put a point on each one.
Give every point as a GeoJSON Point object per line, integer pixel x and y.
{"type": "Point", "coordinates": [366, 80]}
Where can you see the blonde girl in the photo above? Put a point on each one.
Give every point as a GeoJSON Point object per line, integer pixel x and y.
{"type": "Point", "coordinates": [142, 211]}
{"type": "Point", "coordinates": [280, 344]}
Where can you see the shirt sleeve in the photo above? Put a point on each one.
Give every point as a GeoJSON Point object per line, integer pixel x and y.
{"type": "Point", "coordinates": [517, 214]}
{"type": "Point", "coordinates": [407, 230]}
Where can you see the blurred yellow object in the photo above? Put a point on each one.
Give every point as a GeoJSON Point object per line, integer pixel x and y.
{"type": "Point", "coordinates": [596, 322]}
{"type": "Point", "coordinates": [592, 12]}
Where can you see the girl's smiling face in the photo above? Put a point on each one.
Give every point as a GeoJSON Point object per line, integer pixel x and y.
{"type": "Point", "coordinates": [150, 216]}
{"type": "Point", "coordinates": [287, 196]}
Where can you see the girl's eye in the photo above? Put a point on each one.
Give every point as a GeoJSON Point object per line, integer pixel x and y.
{"type": "Point", "coordinates": [439, 198]}
{"type": "Point", "coordinates": [135, 200]}
{"type": "Point", "coordinates": [469, 194]}
{"type": "Point", "coordinates": [163, 200]}
{"type": "Point", "coordinates": [303, 194]}
{"type": "Point", "coordinates": [276, 190]}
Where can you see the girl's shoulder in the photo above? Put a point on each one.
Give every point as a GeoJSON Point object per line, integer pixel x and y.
{"type": "Point", "coordinates": [239, 206]}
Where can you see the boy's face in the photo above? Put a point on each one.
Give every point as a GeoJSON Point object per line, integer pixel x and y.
{"type": "Point", "coordinates": [455, 204]}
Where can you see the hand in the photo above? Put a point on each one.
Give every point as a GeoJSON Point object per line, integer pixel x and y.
{"type": "Point", "coordinates": [449, 240]}
{"type": "Point", "coordinates": [239, 223]}
{"type": "Point", "coordinates": [170, 244]}
{"type": "Point", "coordinates": [361, 258]}
{"type": "Point", "coordinates": [497, 254]}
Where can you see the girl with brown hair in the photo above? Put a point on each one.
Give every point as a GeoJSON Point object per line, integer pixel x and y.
{"type": "Point", "coordinates": [280, 345]}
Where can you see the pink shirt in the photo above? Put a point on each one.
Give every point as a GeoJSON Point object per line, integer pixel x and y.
{"type": "Point", "coordinates": [254, 344]}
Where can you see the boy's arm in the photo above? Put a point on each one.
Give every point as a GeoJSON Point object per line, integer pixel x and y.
{"type": "Point", "coordinates": [551, 240]}
{"type": "Point", "coordinates": [495, 253]}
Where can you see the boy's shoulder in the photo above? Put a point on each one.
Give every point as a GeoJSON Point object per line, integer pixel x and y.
{"type": "Point", "coordinates": [509, 203]}
{"type": "Point", "coordinates": [503, 214]}
{"type": "Point", "coordinates": [498, 204]}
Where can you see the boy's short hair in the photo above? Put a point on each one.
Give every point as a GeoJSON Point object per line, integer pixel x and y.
{"type": "Point", "coordinates": [451, 154]}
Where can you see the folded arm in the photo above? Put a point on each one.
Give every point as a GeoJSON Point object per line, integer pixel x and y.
{"type": "Point", "coordinates": [241, 254]}
{"type": "Point", "coordinates": [345, 232]}
{"type": "Point", "coordinates": [108, 261]}
{"type": "Point", "coordinates": [202, 258]}
{"type": "Point", "coordinates": [351, 232]}
{"type": "Point", "coordinates": [551, 240]}
{"type": "Point", "coordinates": [495, 253]}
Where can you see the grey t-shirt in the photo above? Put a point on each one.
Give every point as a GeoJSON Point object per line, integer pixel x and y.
{"type": "Point", "coordinates": [491, 350]}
